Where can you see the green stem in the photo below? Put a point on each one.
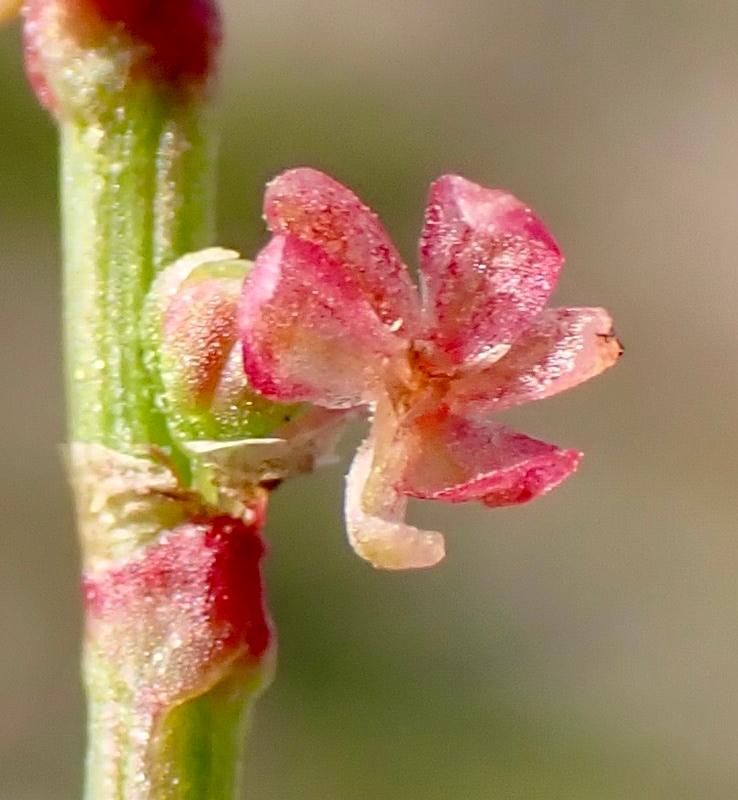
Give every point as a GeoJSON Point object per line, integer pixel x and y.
{"type": "Point", "coordinates": [205, 740]}
{"type": "Point", "coordinates": [194, 753]}
{"type": "Point", "coordinates": [136, 194]}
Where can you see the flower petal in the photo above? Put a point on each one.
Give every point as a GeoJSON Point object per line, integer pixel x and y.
{"type": "Point", "coordinates": [560, 349]}
{"type": "Point", "coordinates": [307, 330]}
{"type": "Point", "coordinates": [488, 266]}
{"type": "Point", "coordinates": [457, 459]}
{"type": "Point", "coordinates": [375, 514]}
{"type": "Point", "coordinates": [315, 208]}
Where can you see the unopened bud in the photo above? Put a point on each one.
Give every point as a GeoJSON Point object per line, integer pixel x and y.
{"type": "Point", "coordinates": [82, 55]}
{"type": "Point", "coordinates": [191, 343]}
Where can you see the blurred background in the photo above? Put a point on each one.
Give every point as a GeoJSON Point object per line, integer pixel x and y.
{"type": "Point", "coordinates": [583, 646]}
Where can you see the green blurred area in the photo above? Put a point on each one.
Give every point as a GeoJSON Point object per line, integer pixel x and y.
{"type": "Point", "coordinates": [582, 647]}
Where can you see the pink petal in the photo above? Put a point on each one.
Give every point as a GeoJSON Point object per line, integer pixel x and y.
{"type": "Point", "coordinates": [375, 512]}
{"type": "Point", "coordinates": [307, 330]}
{"type": "Point", "coordinates": [456, 460]}
{"type": "Point", "coordinates": [560, 349]}
{"type": "Point", "coordinates": [315, 208]}
{"type": "Point", "coordinates": [488, 266]}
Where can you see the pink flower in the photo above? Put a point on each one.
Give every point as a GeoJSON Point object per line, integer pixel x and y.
{"type": "Point", "coordinates": [330, 315]}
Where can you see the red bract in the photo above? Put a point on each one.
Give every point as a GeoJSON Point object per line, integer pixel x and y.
{"type": "Point", "coordinates": [329, 315]}
{"type": "Point", "coordinates": [183, 611]}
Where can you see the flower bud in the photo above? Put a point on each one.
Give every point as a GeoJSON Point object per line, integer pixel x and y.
{"type": "Point", "coordinates": [83, 55]}
{"type": "Point", "coordinates": [190, 336]}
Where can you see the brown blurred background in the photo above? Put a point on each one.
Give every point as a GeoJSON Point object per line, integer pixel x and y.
{"type": "Point", "coordinates": [580, 648]}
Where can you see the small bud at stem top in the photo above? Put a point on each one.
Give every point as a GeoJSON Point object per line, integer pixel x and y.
{"type": "Point", "coordinates": [87, 51]}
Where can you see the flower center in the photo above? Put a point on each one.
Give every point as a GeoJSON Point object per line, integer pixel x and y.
{"type": "Point", "coordinates": [415, 384]}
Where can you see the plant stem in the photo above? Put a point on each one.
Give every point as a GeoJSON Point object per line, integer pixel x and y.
{"type": "Point", "coordinates": [136, 194]}
{"type": "Point", "coordinates": [198, 747]}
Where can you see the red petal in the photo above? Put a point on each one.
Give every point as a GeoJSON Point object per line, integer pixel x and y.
{"type": "Point", "coordinates": [562, 348]}
{"type": "Point", "coordinates": [313, 207]}
{"type": "Point", "coordinates": [307, 330]}
{"type": "Point", "coordinates": [456, 460]}
{"type": "Point", "coordinates": [488, 266]}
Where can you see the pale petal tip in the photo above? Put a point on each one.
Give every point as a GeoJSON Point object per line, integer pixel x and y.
{"type": "Point", "coordinates": [609, 347]}
{"type": "Point", "coordinates": [395, 546]}
{"type": "Point", "coordinates": [375, 521]}
{"type": "Point", "coordinates": [605, 348]}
